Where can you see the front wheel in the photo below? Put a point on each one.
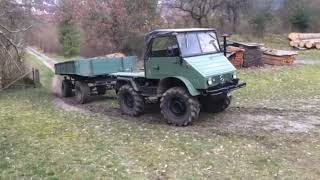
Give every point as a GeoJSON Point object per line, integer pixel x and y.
{"type": "Point", "coordinates": [212, 105]}
{"type": "Point", "coordinates": [178, 107]}
{"type": "Point", "coordinates": [131, 103]}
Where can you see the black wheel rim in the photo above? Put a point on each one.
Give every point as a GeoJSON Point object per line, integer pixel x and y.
{"type": "Point", "coordinates": [178, 107]}
{"type": "Point", "coordinates": [128, 100]}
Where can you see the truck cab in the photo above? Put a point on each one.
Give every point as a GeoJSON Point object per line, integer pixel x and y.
{"type": "Point", "coordinates": [190, 55]}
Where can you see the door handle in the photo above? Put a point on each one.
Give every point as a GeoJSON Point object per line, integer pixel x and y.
{"type": "Point", "coordinates": [156, 67]}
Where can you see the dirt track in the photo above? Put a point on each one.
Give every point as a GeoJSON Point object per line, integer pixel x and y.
{"type": "Point", "coordinates": [291, 117]}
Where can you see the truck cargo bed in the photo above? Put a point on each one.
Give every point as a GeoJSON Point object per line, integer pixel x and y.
{"type": "Point", "coordinates": [96, 66]}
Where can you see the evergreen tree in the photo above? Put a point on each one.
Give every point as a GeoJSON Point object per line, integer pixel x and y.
{"type": "Point", "coordinates": [69, 38]}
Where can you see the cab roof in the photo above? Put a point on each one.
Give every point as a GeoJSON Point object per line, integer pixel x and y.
{"type": "Point", "coordinates": [182, 30]}
{"type": "Point", "coordinates": [166, 32]}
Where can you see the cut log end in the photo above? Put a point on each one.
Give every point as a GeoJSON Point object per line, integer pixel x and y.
{"type": "Point", "coordinates": [302, 44]}
{"type": "Point", "coordinates": [293, 36]}
{"type": "Point", "coordinates": [294, 44]}
{"type": "Point", "coordinates": [309, 45]}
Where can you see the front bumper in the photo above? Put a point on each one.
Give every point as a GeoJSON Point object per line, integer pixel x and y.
{"type": "Point", "coordinates": [226, 88]}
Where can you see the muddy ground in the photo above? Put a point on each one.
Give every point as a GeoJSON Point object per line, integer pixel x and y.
{"type": "Point", "coordinates": [291, 116]}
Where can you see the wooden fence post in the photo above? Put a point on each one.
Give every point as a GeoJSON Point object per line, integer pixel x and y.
{"type": "Point", "coordinates": [1, 83]}
{"type": "Point", "coordinates": [36, 76]}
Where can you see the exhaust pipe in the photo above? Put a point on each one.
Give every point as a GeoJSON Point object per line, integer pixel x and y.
{"type": "Point", "coordinates": [225, 36]}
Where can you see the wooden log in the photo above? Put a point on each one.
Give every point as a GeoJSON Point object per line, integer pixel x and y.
{"type": "Point", "coordinates": [309, 36]}
{"type": "Point", "coordinates": [303, 36]}
{"type": "Point", "coordinates": [293, 36]}
{"type": "Point", "coordinates": [311, 43]}
{"type": "Point", "coordinates": [302, 44]}
{"type": "Point", "coordinates": [294, 44]}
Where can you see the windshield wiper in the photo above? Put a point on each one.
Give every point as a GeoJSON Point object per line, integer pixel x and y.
{"type": "Point", "coordinates": [215, 39]}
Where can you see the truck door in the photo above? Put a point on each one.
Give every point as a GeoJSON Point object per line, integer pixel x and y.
{"type": "Point", "coordinates": [164, 58]}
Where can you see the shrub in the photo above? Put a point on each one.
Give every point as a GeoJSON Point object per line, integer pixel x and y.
{"type": "Point", "coordinates": [69, 38]}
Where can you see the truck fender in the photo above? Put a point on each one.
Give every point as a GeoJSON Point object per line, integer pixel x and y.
{"type": "Point", "coordinates": [129, 81]}
{"type": "Point", "coordinates": [193, 91]}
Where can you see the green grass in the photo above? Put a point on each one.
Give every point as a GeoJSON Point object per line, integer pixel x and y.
{"type": "Point", "coordinates": [40, 141]}
{"type": "Point", "coordinates": [270, 40]}
{"type": "Point", "coordinates": [61, 58]}
{"type": "Point", "coordinates": [310, 54]}
{"type": "Point", "coordinates": [46, 74]}
{"type": "Point", "coordinates": [267, 86]}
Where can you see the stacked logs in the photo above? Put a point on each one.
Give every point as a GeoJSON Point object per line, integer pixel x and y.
{"type": "Point", "coordinates": [305, 40]}
{"type": "Point", "coordinates": [278, 57]}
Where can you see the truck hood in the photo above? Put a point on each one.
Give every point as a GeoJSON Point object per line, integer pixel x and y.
{"type": "Point", "coordinates": [211, 65]}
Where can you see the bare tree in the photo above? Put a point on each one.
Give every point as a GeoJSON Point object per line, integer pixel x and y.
{"type": "Point", "coordinates": [198, 10]}
{"type": "Point", "coordinates": [233, 9]}
{"type": "Point", "coordinates": [12, 28]}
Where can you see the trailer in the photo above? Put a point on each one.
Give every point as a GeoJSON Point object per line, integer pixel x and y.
{"type": "Point", "coordinates": [92, 76]}
{"type": "Point", "coordinates": [185, 69]}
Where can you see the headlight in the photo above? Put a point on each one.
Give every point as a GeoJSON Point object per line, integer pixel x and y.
{"type": "Point", "coordinates": [210, 81]}
{"type": "Point", "coordinates": [235, 76]}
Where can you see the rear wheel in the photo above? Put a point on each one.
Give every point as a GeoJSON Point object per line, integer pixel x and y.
{"type": "Point", "coordinates": [178, 107]}
{"type": "Point", "coordinates": [213, 105]}
{"type": "Point", "coordinates": [82, 92]}
{"type": "Point", "coordinates": [66, 88]}
{"type": "Point", "coordinates": [131, 103]}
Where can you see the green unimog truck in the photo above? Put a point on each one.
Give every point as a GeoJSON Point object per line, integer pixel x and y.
{"type": "Point", "coordinates": [186, 69]}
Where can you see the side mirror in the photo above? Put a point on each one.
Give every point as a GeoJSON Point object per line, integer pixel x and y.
{"type": "Point", "coordinates": [225, 36]}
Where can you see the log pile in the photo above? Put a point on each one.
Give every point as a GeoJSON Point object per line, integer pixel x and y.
{"type": "Point", "coordinates": [305, 40]}
{"type": "Point", "coordinates": [279, 57]}
{"type": "Point", "coordinates": [252, 54]}
{"type": "Point", "coordinates": [235, 55]}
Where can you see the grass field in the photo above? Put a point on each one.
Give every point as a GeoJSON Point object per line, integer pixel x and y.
{"type": "Point", "coordinates": [310, 54]}
{"type": "Point", "coordinates": [41, 141]}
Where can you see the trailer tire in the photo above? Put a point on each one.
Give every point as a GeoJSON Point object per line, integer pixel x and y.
{"type": "Point", "coordinates": [131, 103]}
{"type": "Point", "coordinates": [101, 90]}
{"type": "Point", "coordinates": [66, 88]}
{"type": "Point", "coordinates": [212, 105]}
{"type": "Point", "coordinates": [178, 107]}
{"type": "Point", "coordinates": [82, 92]}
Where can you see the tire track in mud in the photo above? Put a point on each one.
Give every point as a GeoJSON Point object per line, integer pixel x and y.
{"type": "Point", "coordinates": [236, 119]}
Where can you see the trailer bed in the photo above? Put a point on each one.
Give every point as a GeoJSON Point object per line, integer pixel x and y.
{"type": "Point", "coordinates": [94, 67]}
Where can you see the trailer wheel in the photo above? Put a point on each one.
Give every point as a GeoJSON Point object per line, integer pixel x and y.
{"type": "Point", "coordinates": [212, 105]}
{"type": "Point", "coordinates": [101, 90]}
{"type": "Point", "coordinates": [82, 92]}
{"type": "Point", "coordinates": [66, 88]}
{"type": "Point", "coordinates": [131, 103]}
{"type": "Point", "coordinates": [178, 107]}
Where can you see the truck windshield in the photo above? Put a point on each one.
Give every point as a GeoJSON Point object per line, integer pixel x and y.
{"type": "Point", "coordinates": [198, 43]}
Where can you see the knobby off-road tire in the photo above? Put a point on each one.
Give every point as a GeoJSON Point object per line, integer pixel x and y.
{"type": "Point", "coordinates": [212, 105]}
{"type": "Point", "coordinates": [101, 90]}
{"type": "Point", "coordinates": [131, 103]}
{"type": "Point", "coordinates": [82, 92]}
{"type": "Point", "coordinates": [178, 107]}
{"type": "Point", "coordinates": [66, 88]}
